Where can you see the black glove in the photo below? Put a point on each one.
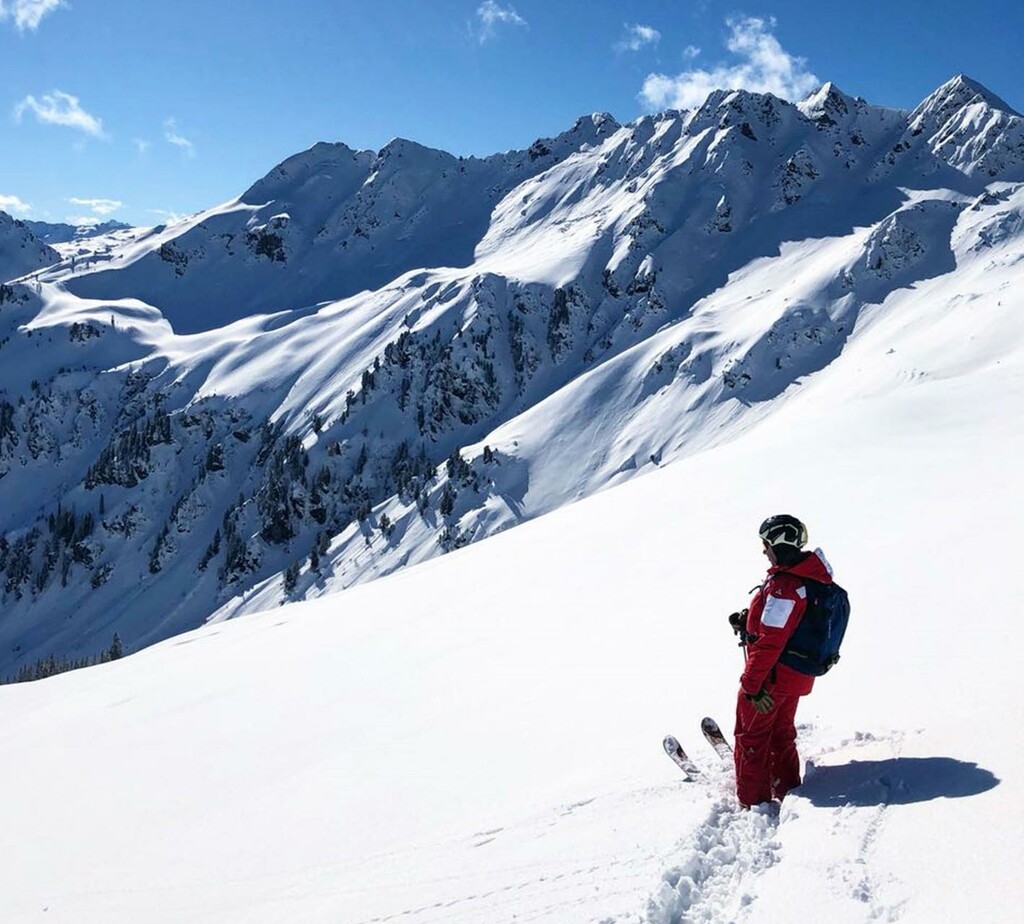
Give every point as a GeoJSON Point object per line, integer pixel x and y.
{"type": "Point", "coordinates": [738, 621]}
{"type": "Point", "coordinates": [762, 700]}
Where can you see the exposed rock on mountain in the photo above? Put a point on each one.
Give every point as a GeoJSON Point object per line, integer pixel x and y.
{"type": "Point", "coordinates": [369, 359]}
{"type": "Point", "coordinates": [21, 251]}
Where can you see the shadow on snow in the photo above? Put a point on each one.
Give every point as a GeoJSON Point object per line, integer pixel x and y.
{"type": "Point", "coordinates": [898, 781]}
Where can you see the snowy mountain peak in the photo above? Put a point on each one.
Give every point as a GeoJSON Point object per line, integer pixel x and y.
{"type": "Point", "coordinates": [404, 147]}
{"type": "Point", "coordinates": [587, 132]}
{"type": "Point", "coordinates": [62, 233]}
{"type": "Point", "coordinates": [950, 99]}
{"type": "Point", "coordinates": [828, 105]}
{"type": "Point", "coordinates": [960, 91]}
{"type": "Point", "coordinates": [323, 160]}
{"type": "Point", "coordinates": [21, 251]}
{"type": "Point", "coordinates": [597, 124]}
{"type": "Point", "coordinates": [970, 129]}
{"type": "Point", "coordinates": [755, 114]}
{"type": "Point", "coordinates": [581, 308]}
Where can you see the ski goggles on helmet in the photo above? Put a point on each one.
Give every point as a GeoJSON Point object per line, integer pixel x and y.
{"type": "Point", "coordinates": [783, 529]}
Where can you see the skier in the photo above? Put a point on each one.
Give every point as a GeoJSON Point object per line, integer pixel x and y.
{"type": "Point", "coordinates": [767, 763]}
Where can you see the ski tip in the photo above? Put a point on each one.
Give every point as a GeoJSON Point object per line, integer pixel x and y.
{"type": "Point", "coordinates": [670, 744]}
{"type": "Point", "coordinates": [708, 724]}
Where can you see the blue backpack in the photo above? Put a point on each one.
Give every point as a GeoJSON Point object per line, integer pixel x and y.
{"type": "Point", "coordinates": [814, 646]}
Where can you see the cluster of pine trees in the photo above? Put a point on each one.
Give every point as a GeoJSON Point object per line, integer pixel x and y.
{"type": "Point", "coordinates": [285, 491]}
{"type": "Point", "coordinates": [65, 545]}
{"type": "Point", "coordinates": [47, 667]}
{"type": "Point", "coordinates": [125, 460]}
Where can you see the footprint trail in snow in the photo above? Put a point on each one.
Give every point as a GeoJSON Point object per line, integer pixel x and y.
{"type": "Point", "coordinates": [712, 882]}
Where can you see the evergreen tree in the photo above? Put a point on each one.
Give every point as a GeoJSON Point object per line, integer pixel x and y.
{"type": "Point", "coordinates": [291, 577]}
{"type": "Point", "coordinates": [116, 649]}
{"type": "Point", "coordinates": [447, 502]}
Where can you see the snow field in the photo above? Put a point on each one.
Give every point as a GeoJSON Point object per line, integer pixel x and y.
{"type": "Point", "coordinates": [353, 758]}
{"type": "Point", "coordinates": [478, 738]}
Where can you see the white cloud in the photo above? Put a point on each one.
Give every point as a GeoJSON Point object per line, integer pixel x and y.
{"type": "Point", "coordinates": [763, 66]}
{"type": "Point", "coordinates": [491, 15]}
{"type": "Point", "coordinates": [83, 220]}
{"type": "Point", "coordinates": [691, 52]}
{"type": "Point", "coordinates": [13, 205]}
{"type": "Point", "coordinates": [27, 13]}
{"type": "Point", "coordinates": [173, 136]}
{"type": "Point", "coordinates": [102, 207]}
{"type": "Point", "coordinates": [59, 108]}
{"type": "Point", "coordinates": [637, 37]}
{"type": "Point", "coordinates": [141, 146]}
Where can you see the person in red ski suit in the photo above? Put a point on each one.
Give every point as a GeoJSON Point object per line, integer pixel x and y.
{"type": "Point", "coordinates": [767, 763]}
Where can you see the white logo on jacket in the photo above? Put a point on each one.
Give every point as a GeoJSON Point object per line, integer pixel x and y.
{"type": "Point", "coordinates": [776, 612]}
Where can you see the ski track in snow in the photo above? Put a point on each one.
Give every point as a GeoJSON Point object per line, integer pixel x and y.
{"type": "Point", "coordinates": [716, 878]}
{"type": "Point", "coordinates": [714, 874]}
{"type": "Point", "coordinates": [712, 883]}
{"type": "Point", "coordinates": [857, 874]}
{"type": "Point", "coordinates": [571, 885]}
{"type": "Point", "coordinates": [544, 898]}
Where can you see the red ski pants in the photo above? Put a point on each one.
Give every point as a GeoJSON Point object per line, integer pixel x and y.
{"type": "Point", "coordinates": [767, 763]}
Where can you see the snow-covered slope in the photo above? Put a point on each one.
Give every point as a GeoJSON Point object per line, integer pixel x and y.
{"type": "Point", "coordinates": [969, 128]}
{"type": "Point", "coordinates": [324, 224]}
{"type": "Point", "coordinates": [21, 251]}
{"type": "Point", "coordinates": [478, 739]}
{"type": "Point", "coordinates": [61, 233]}
{"type": "Point", "coordinates": [541, 325]}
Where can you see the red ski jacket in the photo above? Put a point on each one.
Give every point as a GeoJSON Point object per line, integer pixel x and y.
{"type": "Point", "coordinates": [773, 615]}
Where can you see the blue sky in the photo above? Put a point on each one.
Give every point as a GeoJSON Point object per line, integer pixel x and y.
{"type": "Point", "coordinates": [141, 110]}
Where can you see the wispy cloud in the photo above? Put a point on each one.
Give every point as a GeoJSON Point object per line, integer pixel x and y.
{"type": "Point", "coordinates": [691, 51]}
{"type": "Point", "coordinates": [140, 145]}
{"type": "Point", "coordinates": [638, 36]}
{"type": "Point", "coordinates": [762, 66]}
{"type": "Point", "coordinates": [13, 205]}
{"type": "Point", "coordinates": [27, 14]}
{"type": "Point", "coordinates": [102, 207]}
{"type": "Point", "coordinates": [173, 136]}
{"type": "Point", "coordinates": [491, 15]}
{"type": "Point", "coordinates": [60, 108]}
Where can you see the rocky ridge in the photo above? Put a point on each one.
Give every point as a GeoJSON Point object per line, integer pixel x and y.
{"type": "Point", "coordinates": [370, 358]}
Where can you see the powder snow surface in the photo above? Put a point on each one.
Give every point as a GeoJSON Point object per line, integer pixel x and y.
{"type": "Point", "coordinates": [479, 738]}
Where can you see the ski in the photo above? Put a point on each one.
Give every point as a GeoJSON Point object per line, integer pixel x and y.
{"type": "Point", "coordinates": [674, 750]}
{"type": "Point", "coordinates": [716, 739]}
